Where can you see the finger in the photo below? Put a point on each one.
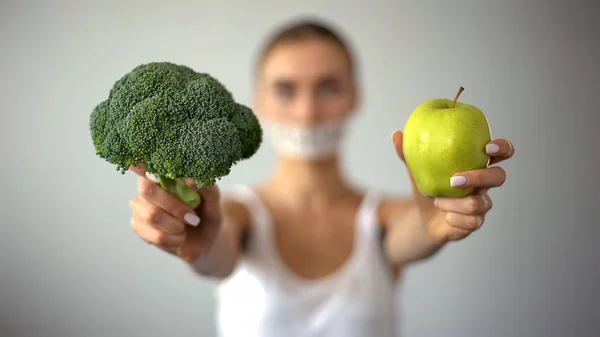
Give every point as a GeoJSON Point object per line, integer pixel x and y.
{"type": "Point", "coordinates": [210, 206]}
{"type": "Point", "coordinates": [210, 193]}
{"type": "Point", "coordinates": [397, 140]}
{"type": "Point", "coordinates": [450, 232]}
{"type": "Point", "coordinates": [156, 217]}
{"type": "Point", "coordinates": [499, 150]}
{"type": "Point", "coordinates": [470, 205]}
{"type": "Point", "coordinates": [488, 177]}
{"type": "Point", "coordinates": [465, 222]}
{"type": "Point", "coordinates": [138, 168]}
{"type": "Point", "coordinates": [157, 196]}
{"type": "Point", "coordinates": [155, 236]}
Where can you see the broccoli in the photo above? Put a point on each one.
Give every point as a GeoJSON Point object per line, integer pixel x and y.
{"type": "Point", "coordinates": [178, 122]}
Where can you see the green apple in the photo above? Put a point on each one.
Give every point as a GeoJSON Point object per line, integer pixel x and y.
{"type": "Point", "coordinates": [441, 138]}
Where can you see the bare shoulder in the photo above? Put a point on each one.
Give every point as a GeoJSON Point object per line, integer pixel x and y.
{"type": "Point", "coordinates": [392, 208]}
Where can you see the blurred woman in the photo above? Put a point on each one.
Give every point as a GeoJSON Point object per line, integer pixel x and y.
{"type": "Point", "coordinates": [305, 252]}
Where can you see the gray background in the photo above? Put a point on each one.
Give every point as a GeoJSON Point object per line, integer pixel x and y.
{"type": "Point", "coordinates": [71, 266]}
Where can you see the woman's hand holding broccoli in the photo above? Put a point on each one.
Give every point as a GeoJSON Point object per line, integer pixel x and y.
{"type": "Point", "coordinates": [165, 221]}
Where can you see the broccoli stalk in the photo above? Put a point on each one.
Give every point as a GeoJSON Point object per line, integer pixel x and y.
{"type": "Point", "coordinates": [177, 122]}
{"type": "Point", "coordinates": [181, 190]}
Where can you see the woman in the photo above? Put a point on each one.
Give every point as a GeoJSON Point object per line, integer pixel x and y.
{"type": "Point", "coordinates": [306, 253]}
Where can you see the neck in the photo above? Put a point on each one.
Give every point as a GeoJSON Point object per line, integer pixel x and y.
{"type": "Point", "coordinates": [309, 181]}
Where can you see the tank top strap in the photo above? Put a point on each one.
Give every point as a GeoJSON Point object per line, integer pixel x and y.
{"type": "Point", "coordinates": [259, 216]}
{"type": "Point", "coordinates": [239, 193]}
{"type": "Point", "coordinates": [368, 220]}
{"type": "Point", "coordinates": [371, 254]}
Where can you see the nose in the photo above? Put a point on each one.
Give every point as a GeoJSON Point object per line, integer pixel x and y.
{"type": "Point", "coordinates": [307, 111]}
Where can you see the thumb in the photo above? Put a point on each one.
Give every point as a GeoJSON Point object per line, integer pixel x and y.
{"type": "Point", "coordinates": [421, 200]}
{"type": "Point", "coordinates": [210, 196]}
{"type": "Point", "coordinates": [397, 140]}
{"type": "Point", "coordinates": [398, 146]}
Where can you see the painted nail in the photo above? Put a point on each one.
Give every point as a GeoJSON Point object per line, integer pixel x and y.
{"type": "Point", "coordinates": [152, 177]}
{"type": "Point", "coordinates": [458, 181]}
{"type": "Point", "coordinates": [492, 148]}
{"type": "Point", "coordinates": [192, 219]}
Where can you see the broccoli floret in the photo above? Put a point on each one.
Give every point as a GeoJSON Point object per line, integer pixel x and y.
{"type": "Point", "coordinates": [178, 122]}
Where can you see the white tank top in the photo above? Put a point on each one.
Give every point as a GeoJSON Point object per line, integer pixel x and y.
{"type": "Point", "coordinates": [264, 298]}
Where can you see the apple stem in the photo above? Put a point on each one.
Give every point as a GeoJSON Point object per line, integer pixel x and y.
{"type": "Point", "coordinates": [456, 97]}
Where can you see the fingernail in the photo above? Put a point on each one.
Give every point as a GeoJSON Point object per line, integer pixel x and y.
{"type": "Point", "coordinates": [192, 219]}
{"type": "Point", "coordinates": [458, 181]}
{"type": "Point", "coordinates": [479, 222]}
{"type": "Point", "coordinates": [435, 202]}
{"type": "Point", "coordinates": [152, 177]}
{"type": "Point", "coordinates": [492, 148]}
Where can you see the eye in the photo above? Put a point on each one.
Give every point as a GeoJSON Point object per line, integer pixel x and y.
{"type": "Point", "coordinates": [284, 91]}
{"type": "Point", "coordinates": [329, 87]}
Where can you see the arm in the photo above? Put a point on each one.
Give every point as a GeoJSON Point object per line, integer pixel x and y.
{"type": "Point", "coordinates": [419, 227]}
{"type": "Point", "coordinates": [220, 258]}
{"type": "Point", "coordinates": [407, 239]}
